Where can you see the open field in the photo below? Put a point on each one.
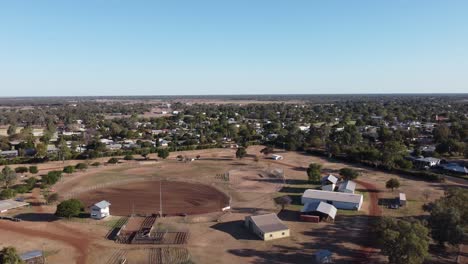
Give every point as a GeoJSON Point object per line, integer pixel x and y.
{"type": "Point", "coordinates": [220, 237]}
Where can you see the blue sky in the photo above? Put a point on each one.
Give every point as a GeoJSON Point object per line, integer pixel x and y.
{"type": "Point", "coordinates": [232, 47]}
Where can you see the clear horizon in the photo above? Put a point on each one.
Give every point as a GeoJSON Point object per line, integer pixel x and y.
{"type": "Point", "coordinates": [151, 48]}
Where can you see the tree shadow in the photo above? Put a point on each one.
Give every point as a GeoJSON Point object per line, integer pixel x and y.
{"type": "Point", "coordinates": [37, 217]}
{"type": "Point", "coordinates": [236, 229]}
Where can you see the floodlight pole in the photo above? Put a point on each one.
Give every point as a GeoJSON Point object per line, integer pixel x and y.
{"type": "Point", "coordinates": [160, 199]}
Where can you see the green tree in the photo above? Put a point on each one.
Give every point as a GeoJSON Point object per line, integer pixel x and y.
{"type": "Point", "coordinates": [163, 153]}
{"type": "Point", "coordinates": [393, 183]}
{"type": "Point", "coordinates": [8, 255]}
{"type": "Point", "coordinates": [69, 169]}
{"type": "Point", "coordinates": [403, 241]}
{"type": "Point", "coordinates": [241, 153]}
{"type": "Point", "coordinates": [349, 174]}
{"type": "Point", "coordinates": [11, 130]}
{"type": "Point", "coordinates": [69, 208]}
{"type": "Point", "coordinates": [314, 172]}
{"type": "Point", "coordinates": [448, 218]}
{"type": "Point", "coordinates": [8, 176]}
{"type": "Point", "coordinates": [33, 169]}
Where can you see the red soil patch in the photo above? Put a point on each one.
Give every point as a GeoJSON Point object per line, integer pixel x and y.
{"type": "Point", "coordinates": [143, 198]}
{"type": "Point", "coordinates": [74, 239]}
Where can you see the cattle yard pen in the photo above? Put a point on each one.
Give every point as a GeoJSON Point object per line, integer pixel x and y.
{"type": "Point", "coordinates": [141, 230]}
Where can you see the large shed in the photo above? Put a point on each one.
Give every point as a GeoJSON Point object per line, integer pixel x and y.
{"type": "Point", "coordinates": [267, 226]}
{"type": "Point", "coordinates": [347, 201]}
{"type": "Point", "coordinates": [9, 204]}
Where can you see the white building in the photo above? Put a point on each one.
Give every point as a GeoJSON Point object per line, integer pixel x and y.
{"type": "Point", "coordinates": [100, 210]}
{"type": "Point", "coordinates": [329, 182]}
{"type": "Point", "coordinates": [267, 226]}
{"type": "Point", "coordinates": [347, 201]}
{"type": "Point", "coordinates": [276, 157]}
{"type": "Point", "coordinates": [347, 187]}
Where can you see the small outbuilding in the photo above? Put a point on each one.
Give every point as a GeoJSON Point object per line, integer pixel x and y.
{"type": "Point", "coordinates": [276, 157]}
{"type": "Point", "coordinates": [323, 210]}
{"type": "Point", "coordinates": [347, 187]}
{"type": "Point", "coordinates": [267, 226]}
{"type": "Point", "coordinates": [402, 199]}
{"type": "Point", "coordinates": [100, 210]}
{"type": "Point", "coordinates": [329, 182]}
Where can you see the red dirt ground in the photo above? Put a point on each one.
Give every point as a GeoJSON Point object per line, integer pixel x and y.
{"type": "Point", "coordinates": [74, 239]}
{"type": "Point", "coordinates": [143, 198]}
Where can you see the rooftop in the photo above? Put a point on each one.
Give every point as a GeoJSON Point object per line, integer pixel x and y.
{"type": "Point", "coordinates": [321, 207]}
{"type": "Point", "coordinates": [330, 178]}
{"type": "Point", "coordinates": [347, 185]}
{"type": "Point", "coordinates": [332, 196]}
{"type": "Point", "coordinates": [6, 205]}
{"type": "Point", "coordinates": [102, 204]}
{"type": "Point", "coordinates": [268, 223]}
{"type": "Point", "coordinates": [31, 254]}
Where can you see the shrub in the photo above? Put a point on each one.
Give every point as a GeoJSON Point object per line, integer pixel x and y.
{"type": "Point", "coordinates": [21, 188]}
{"type": "Point", "coordinates": [128, 157]}
{"type": "Point", "coordinates": [69, 169]}
{"type": "Point", "coordinates": [31, 183]}
{"type": "Point", "coordinates": [81, 166]}
{"type": "Point", "coordinates": [51, 178]}
{"type": "Point", "coordinates": [33, 169]}
{"type": "Point", "coordinates": [96, 164]}
{"type": "Point", "coordinates": [7, 194]}
{"type": "Point", "coordinates": [113, 161]}
{"type": "Point", "coordinates": [21, 169]}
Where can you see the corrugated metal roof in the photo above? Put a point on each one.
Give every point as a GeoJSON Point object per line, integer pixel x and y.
{"type": "Point", "coordinates": [6, 205]}
{"type": "Point", "coordinates": [330, 178]}
{"type": "Point", "coordinates": [102, 204]}
{"type": "Point", "coordinates": [322, 207]}
{"type": "Point", "coordinates": [31, 254]}
{"type": "Point", "coordinates": [332, 196]}
{"type": "Point", "coordinates": [268, 223]}
{"type": "Point", "coordinates": [402, 197]}
{"type": "Point", "coordinates": [347, 185]}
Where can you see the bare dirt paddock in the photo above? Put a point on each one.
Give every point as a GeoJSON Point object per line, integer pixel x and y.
{"type": "Point", "coordinates": [143, 198]}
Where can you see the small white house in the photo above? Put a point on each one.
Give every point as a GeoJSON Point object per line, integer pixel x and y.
{"type": "Point", "coordinates": [100, 210]}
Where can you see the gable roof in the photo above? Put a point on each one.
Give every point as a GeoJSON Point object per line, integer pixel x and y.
{"type": "Point", "coordinates": [268, 223]}
{"type": "Point", "coordinates": [331, 178]}
{"type": "Point", "coordinates": [347, 185]}
{"type": "Point", "coordinates": [102, 204]}
{"type": "Point", "coordinates": [332, 196]}
{"type": "Point", "coordinates": [321, 207]}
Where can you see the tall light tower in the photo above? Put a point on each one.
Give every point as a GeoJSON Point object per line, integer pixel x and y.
{"type": "Point", "coordinates": [160, 199]}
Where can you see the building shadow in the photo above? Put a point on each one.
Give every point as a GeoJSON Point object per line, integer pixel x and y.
{"type": "Point", "coordinates": [236, 229]}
